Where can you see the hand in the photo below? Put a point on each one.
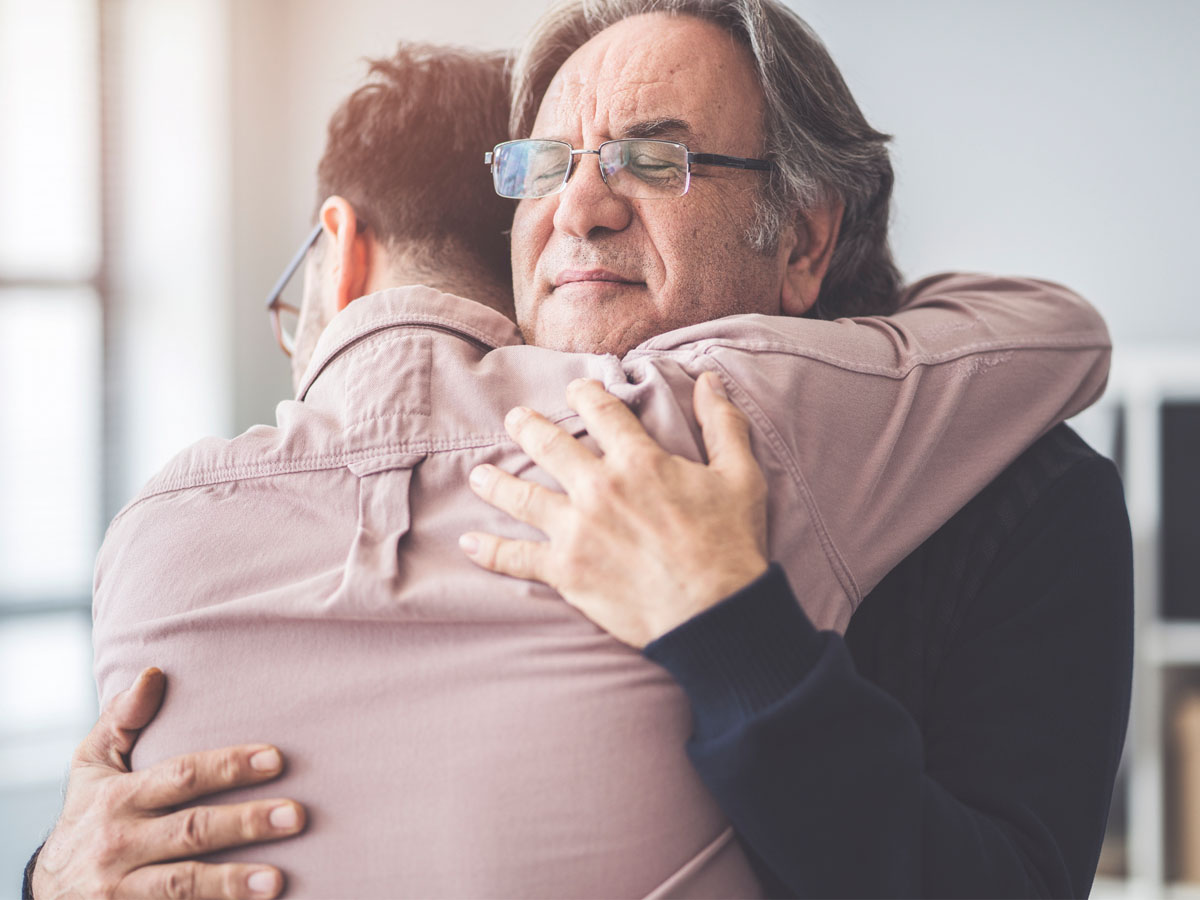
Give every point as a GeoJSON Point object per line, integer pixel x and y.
{"type": "Point", "coordinates": [119, 828]}
{"type": "Point", "coordinates": [642, 540]}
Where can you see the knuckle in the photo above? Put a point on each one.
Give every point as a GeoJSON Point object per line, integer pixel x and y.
{"type": "Point", "coordinates": [109, 844]}
{"type": "Point", "coordinates": [250, 822]}
{"type": "Point", "coordinates": [111, 794]}
{"type": "Point", "coordinates": [192, 831]}
{"type": "Point", "coordinates": [181, 774]}
{"type": "Point", "coordinates": [489, 552]}
{"type": "Point", "coordinates": [525, 498]}
{"type": "Point", "coordinates": [647, 458]}
{"type": "Point", "coordinates": [514, 557]}
{"type": "Point", "coordinates": [547, 442]}
{"type": "Point", "coordinates": [602, 488]}
{"type": "Point", "coordinates": [229, 768]}
{"type": "Point", "coordinates": [232, 882]}
{"type": "Point", "coordinates": [179, 881]}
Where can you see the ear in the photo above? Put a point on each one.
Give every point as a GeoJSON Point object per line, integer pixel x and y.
{"type": "Point", "coordinates": [350, 265]}
{"type": "Point", "coordinates": [814, 237]}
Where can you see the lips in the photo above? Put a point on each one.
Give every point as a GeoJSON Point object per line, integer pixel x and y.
{"type": "Point", "coordinates": [576, 276]}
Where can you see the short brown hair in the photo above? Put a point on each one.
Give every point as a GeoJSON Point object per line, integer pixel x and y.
{"type": "Point", "coordinates": [406, 150]}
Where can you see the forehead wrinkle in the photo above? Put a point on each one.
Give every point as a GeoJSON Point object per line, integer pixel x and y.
{"type": "Point", "coordinates": [619, 80]}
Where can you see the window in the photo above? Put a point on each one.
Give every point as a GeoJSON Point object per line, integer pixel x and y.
{"type": "Point", "coordinates": [53, 423]}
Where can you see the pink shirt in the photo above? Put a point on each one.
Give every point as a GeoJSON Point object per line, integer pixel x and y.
{"type": "Point", "coordinates": [458, 733]}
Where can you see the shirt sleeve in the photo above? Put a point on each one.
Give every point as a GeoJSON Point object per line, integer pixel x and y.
{"type": "Point", "coordinates": [1002, 789]}
{"type": "Point", "coordinates": [920, 410]}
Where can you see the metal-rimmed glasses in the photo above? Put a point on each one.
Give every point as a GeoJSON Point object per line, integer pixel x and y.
{"type": "Point", "coordinates": [638, 168]}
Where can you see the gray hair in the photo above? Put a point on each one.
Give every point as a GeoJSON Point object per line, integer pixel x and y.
{"type": "Point", "coordinates": [822, 147]}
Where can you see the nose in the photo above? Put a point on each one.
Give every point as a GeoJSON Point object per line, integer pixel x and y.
{"type": "Point", "coordinates": [587, 203]}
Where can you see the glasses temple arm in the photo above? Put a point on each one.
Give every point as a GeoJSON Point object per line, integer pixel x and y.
{"type": "Point", "coordinates": [730, 162]}
{"type": "Point", "coordinates": [293, 266]}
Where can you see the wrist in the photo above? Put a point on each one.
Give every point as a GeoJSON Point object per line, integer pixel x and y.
{"type": "Point", "coordinates": [701, 593]}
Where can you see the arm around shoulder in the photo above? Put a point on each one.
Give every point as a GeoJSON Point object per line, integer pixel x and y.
{"type": "Point", "coordinates": [1000, 787]}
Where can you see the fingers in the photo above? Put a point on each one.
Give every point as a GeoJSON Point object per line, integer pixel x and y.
{"type": "Point", "coordinates": [113, 736]}
{"type": "Point", "coordinates": [608, 420]}
{"type": "Point", "coordinates": [725, 429]}
{"type": "Point", "coordinates": [525, 501]}
{"type": "Point", "coordinates": [202, 829]}
{"type": "Point", "coordinates": [549, 446]}
{"type": "Point", "coordinates": [194, 775]}
{"type": "Point", "coordinates": [188, 880]}
{"type": "Point", "coordinates": [520, 559]}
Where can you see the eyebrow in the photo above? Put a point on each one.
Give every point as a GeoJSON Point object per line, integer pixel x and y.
{"type": "Point", "coordinates": [657, 128]}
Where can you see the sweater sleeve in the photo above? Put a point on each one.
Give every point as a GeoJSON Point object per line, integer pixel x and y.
{"type": "Point", "coordinates": [1001, 790]}
{"type": "Point", "coordinates": [27, 879]}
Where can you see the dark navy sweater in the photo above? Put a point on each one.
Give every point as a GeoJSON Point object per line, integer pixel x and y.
{"type": "Point", "coordinates": [963, 738]}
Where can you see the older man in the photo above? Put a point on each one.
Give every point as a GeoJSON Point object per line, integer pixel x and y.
{"type": "Point", "coordinates": [800, 264]}
{"type": "Point", "coordinates": [985, 763]}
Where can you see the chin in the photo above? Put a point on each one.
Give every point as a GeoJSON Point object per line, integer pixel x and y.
{"type": "Point", "coordinates": [588, 336]}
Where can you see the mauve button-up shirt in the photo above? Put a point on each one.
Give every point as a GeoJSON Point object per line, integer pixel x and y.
{"type": "Point", "coordinates": [454, 732]}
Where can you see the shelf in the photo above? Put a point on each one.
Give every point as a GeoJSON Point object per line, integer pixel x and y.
{"type": "Point", "coordinates": [1170, 643]}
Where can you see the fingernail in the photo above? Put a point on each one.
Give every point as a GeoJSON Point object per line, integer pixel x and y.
{"type": "Point", "coordinates": [715, 384]}
{"type": "Point", "coordinates": [265, 761]}
{"type": "Point", "coordinates": [479, 475]}
{"type": "Point", "coordinates": [576, 384]}
{"type": "Point", "coordinates": [283, 817]}
{"type": "Point", "coordinates": [469, 544]}
{"type": "Point", "coordinates": [264, 881]}
{"type": "Point", "coordinates": [515, 415]}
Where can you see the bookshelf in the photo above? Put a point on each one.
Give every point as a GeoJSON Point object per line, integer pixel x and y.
{"type": "Point", "coordinates": [1142, 380]}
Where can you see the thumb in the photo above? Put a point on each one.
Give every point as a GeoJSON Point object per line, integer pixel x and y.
{"type": "Point", "coordinates": [724, 427]}
{"type": "Point", "coordinates": [113, 736]}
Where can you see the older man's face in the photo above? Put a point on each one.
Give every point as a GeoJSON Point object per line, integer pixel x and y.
{"type": "Point", "coordinates": [593, 271]}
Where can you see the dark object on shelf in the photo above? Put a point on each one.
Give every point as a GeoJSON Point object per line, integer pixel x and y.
{"type": "Point", "coordinates": [1181, 510]}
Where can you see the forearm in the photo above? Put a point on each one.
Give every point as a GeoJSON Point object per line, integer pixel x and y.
{"type": "Point", "coordinates": [795, 747]}
{"type": "Point", "coordinates": [890, 425]}
{"type": "Point", "coordinates": [1002, 787]}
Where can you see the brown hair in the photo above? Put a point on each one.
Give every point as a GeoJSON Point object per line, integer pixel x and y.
{"type": "Point", "coordinates": [821, 144]}
{"type": "Point", "coordinates": [406, 150]}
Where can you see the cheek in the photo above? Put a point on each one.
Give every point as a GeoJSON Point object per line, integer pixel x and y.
{"type": "Point", "coordinates": [713, 270]}
{"type": "Point", "coordinates": [532, 222]}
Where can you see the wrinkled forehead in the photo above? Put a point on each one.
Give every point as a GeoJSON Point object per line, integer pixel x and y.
{"type": "Point", "coordinates": [657, 68]}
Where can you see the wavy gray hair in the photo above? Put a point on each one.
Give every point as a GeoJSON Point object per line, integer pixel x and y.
{"type": "Point", "coordinates": [816, 135]}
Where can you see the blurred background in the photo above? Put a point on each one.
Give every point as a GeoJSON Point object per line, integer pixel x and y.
{"type": "Point", "coordinates": [157, 165]}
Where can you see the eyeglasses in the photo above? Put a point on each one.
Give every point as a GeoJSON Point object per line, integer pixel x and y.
{"type": "Point", "coordinates": [631, 167]}
{"type": "Point", "coordinates": [284, 316]}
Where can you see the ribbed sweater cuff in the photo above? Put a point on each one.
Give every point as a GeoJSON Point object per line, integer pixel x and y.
{"type": "Point", "coordinates": [742, 655]}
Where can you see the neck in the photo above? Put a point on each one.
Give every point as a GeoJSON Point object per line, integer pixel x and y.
{"type": "Point", "coordinates": [453, 272]}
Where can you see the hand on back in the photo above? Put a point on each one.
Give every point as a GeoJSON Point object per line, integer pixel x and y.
{"type": "Point", "coordinates": [642, 540]}
{"type": "Point", "coordinates": [122, 833]}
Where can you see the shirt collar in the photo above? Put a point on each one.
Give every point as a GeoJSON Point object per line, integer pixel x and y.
{"type": "Point", "coordinates": [412, 305]}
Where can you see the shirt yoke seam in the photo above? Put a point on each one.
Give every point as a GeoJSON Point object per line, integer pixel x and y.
{"type": "Point", "coordinates": [706, 346]}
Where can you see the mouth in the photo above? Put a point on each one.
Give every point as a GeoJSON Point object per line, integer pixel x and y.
{"type": "Point", "coordinates": [592, 277]}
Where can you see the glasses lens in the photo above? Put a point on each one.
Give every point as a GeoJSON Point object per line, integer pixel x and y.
{"type": "Point", "coordinates": [529, 169]}
{"type": "Point", "coordinates": [645, 169]}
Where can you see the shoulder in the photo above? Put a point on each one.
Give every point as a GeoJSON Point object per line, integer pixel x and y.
{"type": "Point", "coordinates": [1046, 542]}
{"type": "Point", "coordinates": [303, 439]}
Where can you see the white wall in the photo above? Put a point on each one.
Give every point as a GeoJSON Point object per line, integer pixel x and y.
{"type": "Point", "coordinates": [1048, 138]}
{"type": "Point", "coordinates": [294, 61]}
